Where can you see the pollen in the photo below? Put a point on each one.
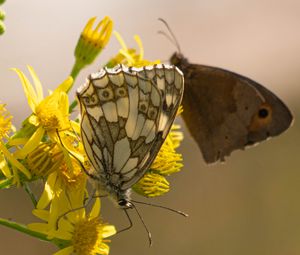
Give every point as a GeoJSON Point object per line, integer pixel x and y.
{"type": "Point", "coordinates": [5, 121]}
{"type": "Point", "coordinates": [49, 121]}
{"type": "Point", "coordinates": [87, 236]}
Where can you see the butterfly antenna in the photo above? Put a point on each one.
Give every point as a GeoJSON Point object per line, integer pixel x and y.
{"type": "Point", "coordinates": [163, 207]}
{"type": "Point", "coordinates": [144, 224]}
{"type": "Point", "coordinates": [167, 36]}
{"type": "Point", "coordinates": [171, 38]}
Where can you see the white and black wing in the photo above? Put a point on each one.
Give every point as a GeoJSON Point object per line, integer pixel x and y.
{"type": "Point", "coordinates": [126, 116]}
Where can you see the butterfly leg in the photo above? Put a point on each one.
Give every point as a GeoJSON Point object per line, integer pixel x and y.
{"type": "Point", "coordinates": [129, 220]}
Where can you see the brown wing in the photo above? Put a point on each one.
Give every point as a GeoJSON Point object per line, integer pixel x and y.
{"type": "Point", "coordinates": [225, 111]}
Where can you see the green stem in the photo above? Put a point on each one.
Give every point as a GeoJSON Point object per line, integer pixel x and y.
{"type": "Point", "coordinates": [30, 193]}
{"type": "Point", "coordinates": [72, 106]}
{"type": "Point", "coordinates": [76, 69]}
{"type": "Point", "coordinates": [6, 183]}
{"type": "Point", "coordinates": [23, 229]}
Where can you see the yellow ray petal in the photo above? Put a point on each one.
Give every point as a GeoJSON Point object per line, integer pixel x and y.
{"type": "Point", "coordinates": [38, 227]}
{"type": "Point", "coordinates": [140, 45]}
{"type": "Point", "coordinates": [31, 144]}
{"type": "Point", "coordinates": [95, 210]}
{"type": "Point", "coordinates": [47, 194]}
{"type": "Point", "coordinates": [37, 84]}
{"type": "Point", "coordinates": [65, 251]}
{"type": "Point", "coordinates": [121, 41]}
{"type": "Point", "coordinates": [4, 167]}
{"type": "Point", "coordinates": [28, 89]}
{"type": "Point", "coordinates": [14, 161]}
{"type": "Point", "coordinates": [108, 230]}
{"type": "Point", "coordinates": [65, 86]}
{"type": "Point", "coordinates": [41, 214]}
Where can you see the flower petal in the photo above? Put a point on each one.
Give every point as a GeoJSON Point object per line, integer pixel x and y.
{"type": "Point", "coordinates": [39, 227]}
{"type": "Point", "coordinates": [121, 41]}
{"type": "Point", "coordinates": [37, 84]}
{"type": "Point", "coordinates": [4, 167]}
{"type": "Point", "coordinates": [103, 249]}
{"type": "Point", "coordinates": [14, 161]}
{"type": "Point", "coordinates": [61, 234]}
{"type": "Point", "coordinates": [65, 251]}
{"type": "Point", "coordinates": [31, 95]}
{"type": "Point", "coordinates": [95, 210]}
{"type": "Point", "coordinates": [140, 45]}
{"type": "Point", "coordinates": [65, 86]}
{"type": "Point", "coordinates": [41, 214]}
{"type": "Point", "coordinates": [108, 230]}
{"type": "Point", "coordinates": [47, 194]}
{"type": "Point", "coordinates": [66, 225]}
{"type": "Point", "coordinates": [31, 144]}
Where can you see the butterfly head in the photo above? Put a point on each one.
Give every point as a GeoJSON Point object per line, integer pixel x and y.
{"type": "Point", "coordinates": [179, 60]}
{"type": "Point", "coordinates": [124, 204]}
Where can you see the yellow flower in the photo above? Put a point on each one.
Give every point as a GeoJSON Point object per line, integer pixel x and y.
{"type": "Point", "coordinates": [176, 136]}
{"type": "Point", "coordinates": [70, 179]}
{"type": "Point", "coordinates": [168, 161]}
{"type": "Point", "coordinates": [49, 114]}
{"type": "Point", "coordinates": [5, 128]}
{"type": "Point", "coordinates": [63, 181]}
{"type": "Point", "coordinates": [2, 27]}
{"type": "Point", "coordinates": [84, 235]}
{"type": "Point", "coordinates": [128, 56]}
{"type": "Point", "coordinates": [5, 154]}
{"type": "Point", "coordinates": [5, 122]}
{"type": "Point", "coordinates": [64, 163]}
{"type": "Point", "coordinates": [4, 167]}
{"type": "Point", "coordinates": [2, 15]}
{"type": "Point", "coordinates": [91, 42]}
{"type": "Point", "coordinates": [45, 159]}
{"type": "Point", "coordinates": [152, 185]}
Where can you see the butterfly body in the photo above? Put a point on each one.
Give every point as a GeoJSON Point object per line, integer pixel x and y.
{"type": "Point", "coordinates": [225, 111]}
{"type": "Point", "coordinates": [126, 114]}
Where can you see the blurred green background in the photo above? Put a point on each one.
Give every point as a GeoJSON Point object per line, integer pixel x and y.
{"type": "Point", "coordinates": [250, 204]}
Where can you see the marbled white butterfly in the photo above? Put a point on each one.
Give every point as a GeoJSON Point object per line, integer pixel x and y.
{"type": "Point", "coordinates": [126, 114]}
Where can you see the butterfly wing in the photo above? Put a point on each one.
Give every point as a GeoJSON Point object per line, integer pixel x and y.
{"type": "Point", "coordinates": [126, 116]}
{"type": "Point", "coordinates": [225, 111]}
{"type": "Point", "coordinates": [168, 81]}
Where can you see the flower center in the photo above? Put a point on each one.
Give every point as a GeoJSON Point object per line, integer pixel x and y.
{"type": "Point", "coordinates": [87, 236]}
{"type": "Point", "coordinates": [49, 121]}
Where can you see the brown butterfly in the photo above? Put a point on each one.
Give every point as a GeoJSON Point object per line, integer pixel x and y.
{"type": "Point", "coordinates": [225, 111]}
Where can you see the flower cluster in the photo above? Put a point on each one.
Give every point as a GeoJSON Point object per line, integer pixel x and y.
{"type": "Point", "coordinates": [48, 149]}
